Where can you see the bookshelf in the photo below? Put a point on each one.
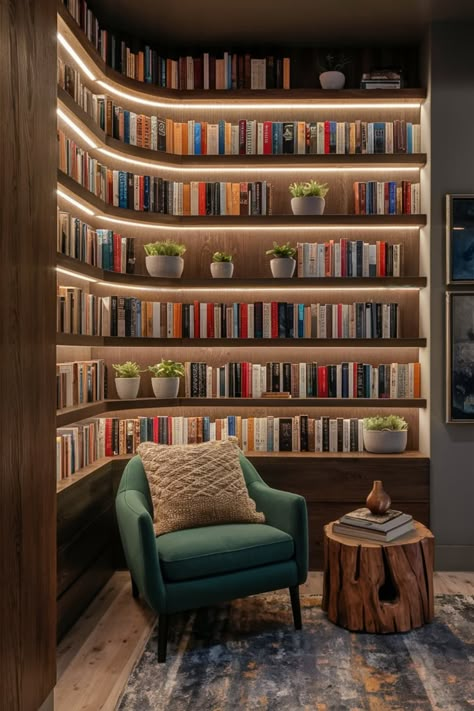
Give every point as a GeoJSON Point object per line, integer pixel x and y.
{"type": "Point", "coordinates": [331, 482]}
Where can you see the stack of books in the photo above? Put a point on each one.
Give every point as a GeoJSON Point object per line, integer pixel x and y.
{"type": "Point", "coordinates": [382, 79]}
{"type": "Point", "coordinates": [361, 523]}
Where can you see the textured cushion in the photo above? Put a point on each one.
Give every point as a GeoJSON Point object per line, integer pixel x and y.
{"type": "Point", "coordinates": [214, 550]}
{"type": "Point", "coordinates": [197, 485]}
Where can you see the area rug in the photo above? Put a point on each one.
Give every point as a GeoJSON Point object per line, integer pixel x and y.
{"type": "Point", "coordinates": [246, 655]}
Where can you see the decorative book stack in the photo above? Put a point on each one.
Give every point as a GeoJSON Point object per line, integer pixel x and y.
{"type": "Point", "coordinates": [361, 523]}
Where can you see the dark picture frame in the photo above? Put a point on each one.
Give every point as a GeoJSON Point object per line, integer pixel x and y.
{"type": "Point", "coordinates": [460, 357]}
{"type": "Point", "coordinates": [460, 239]}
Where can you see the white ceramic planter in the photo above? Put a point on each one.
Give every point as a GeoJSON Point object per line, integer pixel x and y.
{"type": "Point", "coordinates": [282, 267]}
{"type": "Point", "coordinates": [165, 267]}
{"type": "Point", "coordinates": [332, 80]}
{"type": "Point", "coordinates": [222, 270]}
{"type": "Point", "coordinates": [311, 205]}
{"type": "Point", "coordinates": [165, 387]}
{"type": "Point", "coordinates": [385, 441]}
{"type": "Point", "coordinates": [127, 388]}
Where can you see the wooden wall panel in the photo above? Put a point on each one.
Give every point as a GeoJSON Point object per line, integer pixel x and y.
{"type": "Point", "coordinates": [27, 335]}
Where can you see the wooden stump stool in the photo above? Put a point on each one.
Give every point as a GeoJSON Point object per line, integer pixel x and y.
{"type": "Point", "coordinates": [379, 587]}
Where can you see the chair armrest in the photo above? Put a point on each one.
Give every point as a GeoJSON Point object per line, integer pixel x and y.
{"type": "Point", "coordinates": [287, 512]}
{"type": "Point", "coordinates": [139, 545]}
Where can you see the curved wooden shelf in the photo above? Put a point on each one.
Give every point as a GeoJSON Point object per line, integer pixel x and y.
{"type": "Point", "coordinates": [236, 222]}
{"type": "Point", "coordinates": [66, 339]}
{"type": "Point", "coordinates": [137, 280]}
{"type": "Point", "coordinates": [74, 35]}
{"type": "Point", "coordinates": [382, 160]}
{"type": "Point", "coordinates": [82, 412]}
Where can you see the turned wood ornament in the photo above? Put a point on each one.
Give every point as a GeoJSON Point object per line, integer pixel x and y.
{"type": "Point", "coordinates": [378, 501]}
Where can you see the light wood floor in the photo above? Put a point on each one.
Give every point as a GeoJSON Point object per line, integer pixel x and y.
{"type": "Point", "coordinates": [96, 657]}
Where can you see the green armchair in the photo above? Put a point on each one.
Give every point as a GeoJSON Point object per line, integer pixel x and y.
{"type": "Point", "coordinates": [200, 567]}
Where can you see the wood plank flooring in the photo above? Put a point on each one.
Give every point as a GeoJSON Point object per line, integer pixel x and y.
{"type": "Point", "coordinates": [95, 659]}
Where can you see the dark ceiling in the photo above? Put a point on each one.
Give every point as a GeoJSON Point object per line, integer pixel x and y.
{"type": "Point", "coordinates": [274, 21]}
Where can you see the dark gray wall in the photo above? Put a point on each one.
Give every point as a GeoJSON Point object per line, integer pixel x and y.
{"type": "Point", "coordinates": [452, 171]}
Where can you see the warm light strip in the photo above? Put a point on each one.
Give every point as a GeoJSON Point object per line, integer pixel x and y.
{"type": "Point", "coordinates": [75, 274]}
{"type": "Point", "coordinates": [255, 228]}
{"type": "Point", "coordinates": [255, 169]}
{"type": "Point", "coordinates": [261, 104]}
{"type": "Point", "coordinates": [64, 117]}
{"type": "Point", "coordinates": [63, 41]}
{"type": "Point", "coordinates": [74, 202]}
{"type": "Point", "coordinates": [293, 287]}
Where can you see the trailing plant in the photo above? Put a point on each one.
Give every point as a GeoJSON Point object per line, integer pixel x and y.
{"type": "Point", "coordinates": [380, 423]}
{"type": "Point", "coordinates": [282, 251]}
{"type": "Point", "coordinates": [167, 369]}
{"type": "Point", "coordinates": [166, 248]}
{"type": "Point", "coordinates": [129, 369]}
{"type": "Point", "coordinates": [221, 257]}
{"type": "Point", "coordinates": [311, 188]}
{"type": "Point", "coordinates": [334, 63]}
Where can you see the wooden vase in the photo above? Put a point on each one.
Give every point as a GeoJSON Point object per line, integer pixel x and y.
{"type": "Point", "coordinates": [378, 501]}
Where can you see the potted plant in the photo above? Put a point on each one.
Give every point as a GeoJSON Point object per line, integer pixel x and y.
{"type": "Point", "coordinates": [165, 380]}
{"type": "Point", "coordinates": [164, 259]}
{"type": "Point", "coordinates": [385, 434]}
{"type": "Point", "coordinates": [127, 379]}
{"type": "Point", "coordinates": [283, 262]}
{"type": "Point", "coordinates": [222, 267]}
{"type": "Point", "coordinates": [308, 198]}
{"type": "Point", "coordinates": [331, 75]}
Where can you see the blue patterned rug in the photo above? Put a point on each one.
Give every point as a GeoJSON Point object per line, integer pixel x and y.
{"type": "Point", "coordinates": [246, 655]}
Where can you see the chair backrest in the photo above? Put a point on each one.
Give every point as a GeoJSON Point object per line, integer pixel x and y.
{"type": "Point", "coordinates": [134, 478]}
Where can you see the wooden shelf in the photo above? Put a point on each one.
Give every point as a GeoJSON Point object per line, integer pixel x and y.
{"type": "Point", "coordinates": [69, 29]}
{"type": "Point", "coordinates": [136, 280]}
{"type": "Point", "coordinates": [82, 412]}
{"type": "Point", "coordinates": [65, 339]}
{"type": "Point", "coordinates": [236, 222]}
{"type": "Point", "coordinates": [382, 160]}
{"type": "Point", "coordinates": [347, 457]}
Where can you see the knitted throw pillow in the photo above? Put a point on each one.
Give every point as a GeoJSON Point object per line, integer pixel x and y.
{"type": "Point", "coordinates": [197, 485]}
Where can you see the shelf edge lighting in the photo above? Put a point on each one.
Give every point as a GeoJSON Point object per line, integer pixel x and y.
{"type": "Point", "coordinates": [76, 275]}
{"type": "Point", "coordinates": [63, 41]}
{"type": "Point", "coordinates": [242, 289]}
{"type": "Point", "coordinates": [77, 204]}
{"type": "Point", "coordinates": [64, 117]}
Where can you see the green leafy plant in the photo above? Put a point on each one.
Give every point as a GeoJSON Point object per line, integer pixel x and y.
{"type": "Point", "coordinates": [129, 369]}
{"type": "Point", "coordinates": [166, 248]}
{"type": "Point", "coordinates": [334, 63]}
{"type": "Point", "coordinates": [311, 188]}
{"type": "Point", "coordinates": [380, 423]}
{"type": "Point", "coordinates": [167, 369]}
{"type": "Point", "coordinates": [282, 251]}
{"type": "Point", "coordinates": [221, 257]}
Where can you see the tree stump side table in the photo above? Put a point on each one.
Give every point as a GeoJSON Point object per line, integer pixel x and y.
{"type": "Point", "coordinates": [379, 587]}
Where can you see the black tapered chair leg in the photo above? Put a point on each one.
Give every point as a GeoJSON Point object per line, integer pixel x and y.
{"type": "Point", "coordinates": [295, 606]}
{"type": "Point", "coordinates": [135, 591]}
{"type": "Point", "coordinates": [162, 637]}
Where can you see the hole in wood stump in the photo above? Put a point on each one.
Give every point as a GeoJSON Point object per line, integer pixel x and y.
{"type": "Point", "coordinates": [388, 591]}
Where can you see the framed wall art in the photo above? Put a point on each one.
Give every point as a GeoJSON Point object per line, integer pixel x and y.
{"type": "Point", "coordinates": [460, 239]}
{"type": "Point", "coordinates": [460, 356]}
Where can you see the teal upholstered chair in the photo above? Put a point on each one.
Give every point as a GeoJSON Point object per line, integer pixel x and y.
{"type": "Point", "coordinates": [200, 567]}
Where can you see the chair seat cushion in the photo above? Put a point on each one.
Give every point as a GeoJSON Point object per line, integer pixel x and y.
{"type": "Point", "coordinates": [214, 550]}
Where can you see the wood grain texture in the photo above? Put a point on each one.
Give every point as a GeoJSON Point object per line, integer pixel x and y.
{"type": "Point", "coordinates": [27, 315]}
{"type": "Point", "coordinates": [385, 588]}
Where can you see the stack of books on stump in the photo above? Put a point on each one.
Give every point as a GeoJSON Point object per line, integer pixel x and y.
{"type": "Point", "coordinates": [361, 523]}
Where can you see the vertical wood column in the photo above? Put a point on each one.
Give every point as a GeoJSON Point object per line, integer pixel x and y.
{"type": "Point", "coordinates": [27, 352]}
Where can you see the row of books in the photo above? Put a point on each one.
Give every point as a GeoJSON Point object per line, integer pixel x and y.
{"type": "Point", "coordinates": [143, 63]}
{"type": "Point", "coordinates": [79, 445]}
{"type": "Point", "coordinates": [81, 313]}
{"type": "Point", "coordinates": [80, 382]}
{"type": "Point", "coordinates": [362, 523]}
{"type": "Point", "coordinates": [101, 248]}
{"type": "Point", "coordinates": [349, 258]}
{"type": "Point", "coordinates": [148, 193]}
{"type": "Point", "coordinates": [302, 380]}
{"type": "Point", "coordinates": [387, 198]}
